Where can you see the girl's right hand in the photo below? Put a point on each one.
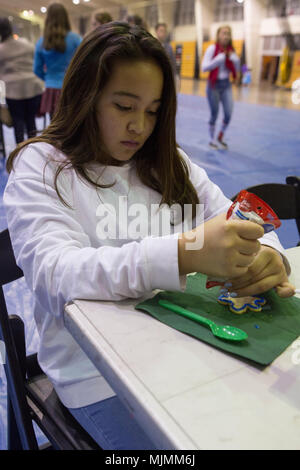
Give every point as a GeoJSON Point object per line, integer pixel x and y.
{"type": "Point", "coordinates": [229, 247]}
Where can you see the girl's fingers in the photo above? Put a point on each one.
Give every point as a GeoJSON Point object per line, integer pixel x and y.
{"type": "Point", "coordinates": [250, 278]}
{"type": "Point", "coordinates": [263, 285]}
{"type": "Point", "coordinates": [248, 230]}
{"type": "Point", "coordinates": [259, 268]}
{"type": "Point", "coordinates": [266, 264]}
{"type": "Point", "coordinates": [248, 247]}
{"type": "Point", "coordinates": [244, 260]}
{"type": "Point", "coordinates": [285, 289]}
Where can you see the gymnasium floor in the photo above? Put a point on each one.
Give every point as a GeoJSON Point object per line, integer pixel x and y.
{"type": "Point", "coordinates": [264, 146]}
{"type": "Point", "coordinates": [264, 140]}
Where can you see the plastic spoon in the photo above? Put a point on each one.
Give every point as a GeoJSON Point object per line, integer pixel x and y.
{"type": "Point", "coordinates": [221, 331]}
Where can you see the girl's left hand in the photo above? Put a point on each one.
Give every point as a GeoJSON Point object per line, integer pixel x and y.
{"type": "Point", "coordinates": [266, 271]}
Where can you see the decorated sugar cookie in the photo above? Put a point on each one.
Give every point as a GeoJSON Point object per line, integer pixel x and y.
{"type": "Point", "coordinates": [242, 304]}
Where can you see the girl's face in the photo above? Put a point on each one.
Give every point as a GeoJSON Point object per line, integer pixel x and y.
{"type": "Point", "coordinates": [95, 23]}
{"type": "Point", "coordinates": [224, 36]}
{"type": "Point", "coordinates": [128, 107]}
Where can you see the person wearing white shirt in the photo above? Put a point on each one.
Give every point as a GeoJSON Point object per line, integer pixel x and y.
{"type": "Point", "coordinates": [23, 89]}
{"type": "Point", "coordinates": [110, 146]}
{"type": "Point", "coordinates": [220, 61]}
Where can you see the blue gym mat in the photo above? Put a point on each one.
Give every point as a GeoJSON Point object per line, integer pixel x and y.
{"type": "Point", "coordinates": [264, 147]}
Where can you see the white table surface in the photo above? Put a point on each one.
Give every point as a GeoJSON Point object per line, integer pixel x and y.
{"type": "Point", "coordinates": [186, 394]}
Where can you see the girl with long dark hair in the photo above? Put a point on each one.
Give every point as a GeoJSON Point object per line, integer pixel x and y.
{"type": "Point", "coordinates": [113, 139]}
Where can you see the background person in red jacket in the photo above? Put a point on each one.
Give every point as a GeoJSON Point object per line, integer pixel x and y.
{"type": "Point", "coordinates": [220, 60]}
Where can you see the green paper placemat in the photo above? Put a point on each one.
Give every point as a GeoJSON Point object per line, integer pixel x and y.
{"type": "Point", "coordinates": [270, 331]}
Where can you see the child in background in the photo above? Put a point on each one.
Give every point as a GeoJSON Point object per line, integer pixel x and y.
{"type": "Point", "coordinates": [220, 60]}
{"type": "Point", "coordinates": [113, 136]}
{"type": "Point", "coordinates": [101, 18]}
{"type": "Point", "coordinates": [247, 78]}
{"type": "Point", "coordinates": [162, 35]}
{"type": "Point", "coordinates": [53, 53]}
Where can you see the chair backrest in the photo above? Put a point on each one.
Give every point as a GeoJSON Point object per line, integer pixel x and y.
{"type": "Point", "coordinates": [283, 198]}
{"type": "Point", "coordinates": [295, 182]}
{"type": "Point", "coordinates": [9, 271]}
{"type": "Point", "coordinates": [24, 377]}
{"type": "Point", "coordinates": [2, 142]}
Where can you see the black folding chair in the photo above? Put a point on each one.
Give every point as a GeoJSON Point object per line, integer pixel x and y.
{"type": "Point", "coordinates": [2, 142]}
{"type": "Point", "coordinates": [30, 395]}
{"type": "Point", "coordinates": [295, 182]}
{"type": "Point", "coordinates": [283, 198]}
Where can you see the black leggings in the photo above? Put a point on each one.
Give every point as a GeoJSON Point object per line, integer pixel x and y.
{"type": "Point", "coordinates": [23, 114]}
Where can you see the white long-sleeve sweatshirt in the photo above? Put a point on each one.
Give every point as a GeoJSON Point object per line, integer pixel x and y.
{"type": "Point", "coordinates": [210, 62]}
{"type": "Point", "coordinates": [65, 256]}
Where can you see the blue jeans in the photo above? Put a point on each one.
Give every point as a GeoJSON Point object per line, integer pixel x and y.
{"type": "Point", "coordinates": [112, 426]}
{"type": "Point", "coordinates": [222, 91]}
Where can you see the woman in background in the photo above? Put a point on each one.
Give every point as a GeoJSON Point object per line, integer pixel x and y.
{"type": "Point", "coordinates": [220, 60]}
{"type": "Point", "coordinates": [23, 88]}
{"type": "Point", "coordinates": [136, 20]}
{"type": "Point", "coordinates": [53, 54]}
{"type": "Point", "coordinates": [101, 18]}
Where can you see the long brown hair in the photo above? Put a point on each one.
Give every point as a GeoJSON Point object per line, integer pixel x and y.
{"type": "Point", "coordinates": [74, 129]}
{"type": "Point", "coordinates": [57, 25]}
{"type": "Point", "coordinates": [225, 26]}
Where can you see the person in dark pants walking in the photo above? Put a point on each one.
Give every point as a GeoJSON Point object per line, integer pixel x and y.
{"type": "Point", "coordinates": [23, 114]}
{"type": "Point", "coordinates": [162, 35]}
{"type": "Point", "coordinates": [23, 88]}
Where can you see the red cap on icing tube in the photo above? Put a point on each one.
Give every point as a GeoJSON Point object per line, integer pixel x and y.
{"type": "Point", "coordinates": [247, 206]}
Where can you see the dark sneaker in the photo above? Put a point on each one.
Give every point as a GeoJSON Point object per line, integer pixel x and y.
{"type": "Point", "coordinates": [213, 144]}
{"type": "Point", "coordinates": [222, 144]}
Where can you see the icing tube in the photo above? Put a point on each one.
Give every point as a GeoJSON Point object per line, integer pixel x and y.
{"type": "Point", "coordinates": [248, 206]}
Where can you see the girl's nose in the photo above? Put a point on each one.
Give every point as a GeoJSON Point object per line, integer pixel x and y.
{"type": "Point", "coordinates": [137, 125]}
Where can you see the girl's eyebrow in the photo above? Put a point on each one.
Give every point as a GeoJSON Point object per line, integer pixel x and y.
{"type": "Point", "coordinates": [132, 95]}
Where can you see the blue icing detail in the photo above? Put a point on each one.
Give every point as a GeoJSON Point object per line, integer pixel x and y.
{"type": "Point", "coordinates": [254, 305]}
{"type": "Point", "coordinates": [241, 215]}
{"type": "Point", "coordinates": [268, 227]}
